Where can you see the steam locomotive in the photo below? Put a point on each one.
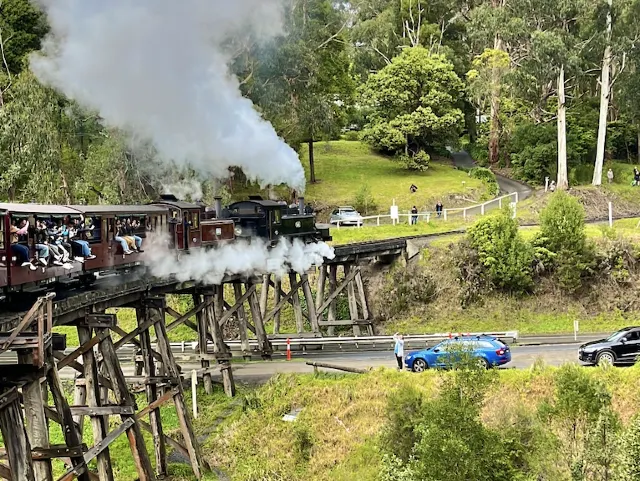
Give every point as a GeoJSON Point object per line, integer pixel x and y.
{"type": "Point", "coordinates": [188, 226]}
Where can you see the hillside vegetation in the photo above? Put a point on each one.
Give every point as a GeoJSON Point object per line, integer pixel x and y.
{"type": "Point", "coordinates": [344, 167]}
{"type": "Point", "coordinates": [361, 427]}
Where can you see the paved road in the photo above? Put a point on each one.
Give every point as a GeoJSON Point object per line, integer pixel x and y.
{"type": "Point", "coordinates": [507, 186]}
{"type": "Point", "coordinates": [259, 372]}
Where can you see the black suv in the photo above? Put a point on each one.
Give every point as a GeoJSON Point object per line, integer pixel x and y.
{"type": "Point", "coordinates": [622, 347]}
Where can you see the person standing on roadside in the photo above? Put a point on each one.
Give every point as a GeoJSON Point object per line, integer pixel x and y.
{"type": "Point", "coordinates": [398, 350]}
{"type": "Point", "coordinates": [414, 215]}
{"type": "Point", "coordinates": [610, 176]}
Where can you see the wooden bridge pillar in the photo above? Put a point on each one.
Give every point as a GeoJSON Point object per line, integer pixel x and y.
{"type": "Point", "coordinates": [359, 311]}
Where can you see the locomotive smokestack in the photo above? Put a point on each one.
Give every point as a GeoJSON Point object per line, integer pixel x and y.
{"type": "Point", "coordinates": [301, 205]}
{"type": "Point", "coordinates": [218, 206]}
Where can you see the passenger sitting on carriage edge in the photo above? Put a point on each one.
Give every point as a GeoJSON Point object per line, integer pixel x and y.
{"type": "Point", "coordinates": [42, 249]}
{"type": "Point", "coordinates": [21, 251]}
{"type": "Point", "coordinates": [131, 232]}
{"type": "Point", "coordinates": [121, 237]}
{"type": "Point", "coordinates": [73, 239]}
{"type": "Point", "coordinates": [57, 252]}
{"type": "Point", "coordinates": [56, 242]}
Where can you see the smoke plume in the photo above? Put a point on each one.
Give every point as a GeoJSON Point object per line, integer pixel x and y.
{"type": "Point", "coordinates": [239, 258]}
{"type": "Point", "coordinates": [188, 189]}
{"type": "Point", "coordinates": [158, 70]}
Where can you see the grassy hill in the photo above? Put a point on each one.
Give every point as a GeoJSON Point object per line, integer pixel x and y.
{"type": "Point", "coordinates": [343, 167]}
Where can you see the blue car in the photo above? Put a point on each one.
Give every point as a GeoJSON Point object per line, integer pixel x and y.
{"type": "Point", "coordinates": [488, 351]}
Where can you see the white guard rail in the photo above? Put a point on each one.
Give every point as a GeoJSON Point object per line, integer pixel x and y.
{"type": "Point", "coordinates": [340, 343]}
{"type": "Point", "coordinates": [427, 216]}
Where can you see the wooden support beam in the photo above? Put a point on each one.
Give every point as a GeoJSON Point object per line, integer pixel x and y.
{"type": "Point", "coordinates": [87, 346]}
{"type": "Point", "coordinates": [322, 280]}
{"type": "Point", "coordinates": [364, 300]}
{"type": "Point", "coordinates": [123, 398]}
{"type": "Point", "coordinates": [351, 296]}
{"type": "Point", "coordinates": [68, 429]}
{"type": "Point", "coordinates": [169, 440]}
{"type": "Point", "coordinates": [289, 297]}
{"type": "Point", "coordinates": [264, 294]}
{"type": "Point", "coordinates": [242, 318]}
{"type": "Point", "coordinates": [102, 410]}
{"type": "Point", "coordinates": [78, 367]}
{"type": "Point", "coordinates": [283, 300]}
{"type": "Point", "coordinates": [96, 450]}
{"type": "Point", "coordinates": [263, 340]}
{"type": "Point", "coordinates": [311, 306]}
{"type": "Point", "coordinates": [276, 300]}
{"type": "Point", "coordinates": [121, 332]}
{"type": "Point", "coordinates": [55, 452]}
{"type": "Point", "coordinates": [181, 319]}
{"type": "Point", "coordinates": [158, 403]}
{"type": "Point", "coordinates": [151, 390]}
{"type": "Point", "coordinates": [15, 437]}
{"type": "Point", "coordinates": [203, 337]}
{"type": "Point", "coordinates": [345, 283]}
{"type": "Point", "coordinates": [5, 472]}
{"type": "Point", "coordinates": [171, 367]}
{"type": "Point", "coordinates": [37, 427]}
{"type": "Point", "coordinates": [251, 289]}
{"type": "Point", "coordinates": [219, 347]}
{"type": "Point", "coordinates": [26, 320]}
{"type": "Point", "coordinates": [297, 309]}
{"type": "Point", "coordinates": [333, 285]}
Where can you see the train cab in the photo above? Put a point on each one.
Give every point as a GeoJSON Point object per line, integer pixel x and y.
{"type": "Point", "coordinates": [183, 224]}
{"type": "Point", "coordinates": [111, 228]}
{"type": "Point", "coordinates": [4, 255]}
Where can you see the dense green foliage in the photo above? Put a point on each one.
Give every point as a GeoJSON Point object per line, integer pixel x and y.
{"type": "Point", "coordinates": [506, 259]}
{"type": "Point", "coordinates": [574, 435]}
{"type": "Point", "coordinates": [412, 105]}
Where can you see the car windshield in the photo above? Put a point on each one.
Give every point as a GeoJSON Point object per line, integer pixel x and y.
{"type": "Point", "coordinates": [615, 335]}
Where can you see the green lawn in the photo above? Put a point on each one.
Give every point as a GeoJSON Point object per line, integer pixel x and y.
{"type": "Point", "coordinates": [342, 167]}
{"type": "Point", "coordinates": [348, 235]}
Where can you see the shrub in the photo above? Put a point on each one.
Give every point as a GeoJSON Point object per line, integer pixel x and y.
{"type": "Point", "coordinates": [352, 135]}
{"type": "Point", "coordinates": [562, 231]}
{"type": "Point", "coordinates": [407, 288]}
{"type": "Point", "coordinates": [418, 162]}
{"type": "Point", "coordinates": [506, 257]}
{"type": "Point", "coordinates": [364, 201]}
{"type": "Point", "coordinates": [629, 453]}
{"type": "Point", "coordinates": [404, 409]}
{"type": "Point", "coordinates": [488, 177]}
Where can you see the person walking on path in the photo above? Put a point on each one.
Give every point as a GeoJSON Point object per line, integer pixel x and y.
{"type": "Point", "coordinates": [636, 177]}
{"type": "Point", "coordinates": [398, 350]}
{"type": "Point", "coordinates": [439, 208]}
{"type": "Point", "coordinates": [610, 176]}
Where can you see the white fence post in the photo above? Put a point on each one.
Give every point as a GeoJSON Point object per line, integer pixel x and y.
{"type": "Point", "coordinates": [516, 197]}
{"type": "Point", "coordinates": [464, 214]}
{"type": "Point", "coordinates": [500, 202]}
{"type": "Point", "coordinates": [194, 392]}
{"type": "Point", "coordinates": [445, 214]}
{"type": "Point", "coordinates": [378, 221]}
{"type": "Point", "coordinates": [482, 209]}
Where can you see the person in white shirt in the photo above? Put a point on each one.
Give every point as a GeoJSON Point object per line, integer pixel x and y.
{"type": "Point", "coordinates": [398, 350]}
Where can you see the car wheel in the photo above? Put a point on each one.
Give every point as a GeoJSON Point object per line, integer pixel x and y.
{"type": "Point", "coordinates": [420, 365]}
{"type": "Point", "coordinates": [483, 363]}
{"type": "Point", "coordinates": [606, 357]}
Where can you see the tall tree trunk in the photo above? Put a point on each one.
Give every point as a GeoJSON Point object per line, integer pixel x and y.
{"type": "Point", "coordinates": [312, 166]}
{"type": "Point", "coordinates": [65, 188]}
{"type": "Point", "coordinates": [562, 182]}
{"type": "Point", "coordinates": [494, 134]}
{"type": "Point", "coordinates": [605, 93]}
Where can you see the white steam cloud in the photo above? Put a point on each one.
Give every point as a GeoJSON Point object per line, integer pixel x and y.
{"type": "Point", "coordinates": [158, 70]}
{"type": "Point", "coordinates": [238, 258]}
{"type": "Point", "coordinates": [188, 189]}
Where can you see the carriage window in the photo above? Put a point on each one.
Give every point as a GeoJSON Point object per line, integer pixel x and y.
{"type": "Point", "coordinates": [1, 233]}
{"type": "Point", "coordinates": [276, 216]}
{"type": "Point", "coordinates": [196, 220]}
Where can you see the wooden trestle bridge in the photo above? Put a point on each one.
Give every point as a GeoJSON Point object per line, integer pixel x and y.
{"type": "Point", "coordinates": [101, 388]}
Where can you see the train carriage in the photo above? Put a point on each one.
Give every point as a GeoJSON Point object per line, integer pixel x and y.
{"type": "Point", "coordinates": [104, 218]}
{"type": "Point", "coordinates": [21, 276]}
{"type": "Point", "coordinates": [4, 246]}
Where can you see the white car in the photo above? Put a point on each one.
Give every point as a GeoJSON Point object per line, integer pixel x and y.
{"type": "Point", "coordinates": [347, 215]}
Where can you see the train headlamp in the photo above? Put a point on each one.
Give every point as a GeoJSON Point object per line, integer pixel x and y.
{"type": "Point", "coordinates": [298, 224]}
{"type": "Point", "coordinates": [238, 230]}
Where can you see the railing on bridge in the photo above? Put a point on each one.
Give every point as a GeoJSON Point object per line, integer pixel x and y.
{"type": "Point", "coordinates": [447, 214]}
